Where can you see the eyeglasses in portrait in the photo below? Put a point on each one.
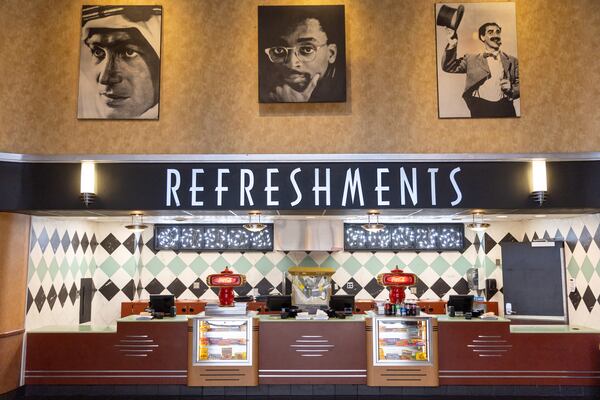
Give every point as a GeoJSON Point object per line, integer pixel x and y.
{"type": "Point", "coordinates": [477, 65]}
{"type": "Point", "coordinates": [301, 54]}
{"type": "Point", "coordinates": [119, 69]}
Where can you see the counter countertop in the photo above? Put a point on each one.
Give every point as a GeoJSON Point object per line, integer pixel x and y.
{"type": "Point", "coordinates": [551, 329]}
{"type": "Point", "coordinates": [74, 329]}
{"type": "Point", "coordinates": [277, 318]}
{"type": "Point", "coordinates": [177, 318]}
{"type": "Point", "coordinates": [445, 318]}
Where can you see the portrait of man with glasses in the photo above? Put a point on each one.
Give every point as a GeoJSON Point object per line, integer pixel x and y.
{"type": "Point", "coordinates": [301, 54]}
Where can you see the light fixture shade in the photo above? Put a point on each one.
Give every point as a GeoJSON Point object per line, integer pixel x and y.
{"type": "Point", "coordinates": [478, 226]}
{"type": "Point", "coordinates": [538, 176]}
{"type": "Point", "coordinates": [254, 226]}
{"type": "Point", "coordinates": [137, 223]}
{"type": "Point", "coordinates": [373, 227]}
{"type": "Point", "coordinates": [88, 177]}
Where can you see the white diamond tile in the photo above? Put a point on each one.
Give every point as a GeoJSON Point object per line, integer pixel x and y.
{"type": "Point", "coordinates": [429, 295]}
{"type": "Point", "coordinates": [253, 276]}
{"type": "Point", "coordinates": [274, 276]}
{"type": "Point", "coordinates": [579, 254]}
{"type": "Point", "coordinates": [450, 256]}
{"type": "Point", "coordinates": [429, 276]}
{"type": "Point", "coordinates": [383, 296]}
{"type": "Point", "coordinates": [593, 252]}
{"type": "Point", "coordinates": [363, 257]}
{"type": "Point", "coordinates": [319, 256]}
{"type": "Point", "coordinates": [210, 296]}
{"type": "Point", "coordinates": [231, 258]}
{"type": "Point", "coordinates": [275, 257]}
{"type": "Point", "coordinates": [209, 257]}
{"type": "Point", "coordinates": [120, 278]}
{"type": "Point", "coordinates": [187, 276]}
{"type": "Point", "coordinates": [405, 258]}
{"type": "Point", "coordinates": [166, 257]}
{"type": "Point", "coordinates": [121, 255]}
{"type": "Point", "coordinates": [363, 295]}
{"type": "Point", "coordinates": [384, 257]}
{"type": "Point", "coordinates": [341, 256]}
{"type": "Point", "coordinates": [297, 256]}
{"type": "Point", "coordinates": [428, 256]}
{"type": "Point", "coordinates": [165, 277]}
{"type": "Point", "coordinates": [99, 256]}
{"type": "Point", "coordinates": [362, 276]}
{"type": "Point", "coordinates": [46, 284]}
{"type": "Point", "coordinates": [341, 276]}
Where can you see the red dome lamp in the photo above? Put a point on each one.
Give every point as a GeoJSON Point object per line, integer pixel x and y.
{"type": "Point", "coordinates": [226, 281]}
{"type": "Point", "coordinates": [396, 281]}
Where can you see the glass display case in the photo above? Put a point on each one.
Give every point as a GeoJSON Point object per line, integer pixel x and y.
{"type": "Point", "coordinates": [402, 341]}
{"type": "Point", "coordinates": [222, 341]}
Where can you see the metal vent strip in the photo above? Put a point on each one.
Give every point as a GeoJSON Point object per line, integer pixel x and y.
{"type": "Point", "coordinates": [136, 346]}
{"type": "Point", "coordinates": [312, 345]}
{"type": "Point", "coordinates": [489, 346]}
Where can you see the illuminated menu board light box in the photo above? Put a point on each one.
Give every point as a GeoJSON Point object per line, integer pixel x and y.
{"type": "Point", "coordinates": [211, 237]}
{"type": "Point", "coordinates": [406, 237]}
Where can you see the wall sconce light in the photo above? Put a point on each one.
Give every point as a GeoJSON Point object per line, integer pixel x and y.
{"type": "Point", "coordinates": [88, 182]}
{"type": "Point", "coordinates": [478, 225]}
{"type": "Point", "coordinates": [373, 227]}
{"type": "Point", "coordinates": [137, 222]}
{"type": "Point", "coordinates": [539, 190]}
{"type": "Point", "coordinates": [254, 226]}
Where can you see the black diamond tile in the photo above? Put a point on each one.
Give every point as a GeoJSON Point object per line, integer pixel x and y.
{"type": "Point", "coordinates": [526, 239]}
{"type": "Point", "coordinates": [597, 237]}
{"type": "Point", "coordinates": [66, 241]}
{"type": "Point", "coordinates": [508, 238]}
{"type": "Point", "coordinates": [63, 295]}
{"type": "Point", "coordinates": [585, 239]}
{"type": "Point", "coordinates": [288, 287]}
{"type": "Point", "coordinates": [488, 243]}
{"type": "Point", "coordinates": [129, 243]}
{"type": "Point", "coordinates": [129, 290]}
{"type": "Point", "coordinates": [477, 243]}
{"type": "Point", "coordinates": [558, 235]}
{"type": "Point", "coordinates": [575, 298]}
{"type": "Point", "coordinates": [176, 287]}
{"type": "Point", "coordinates": [199, 291]}
{"type": "Point", "coordinates": [139, 288]}
{"type": "Point", "coordinates": [421, 288]}
{"type": "Point", "coordinates": [109, 290]}
{"type": "Point", "coordinates": [356, 287]}
{"type": "Point", "coordinates": [73, 294]}
{"type": "Point", "coordinates": [140, 243]}
{"type": "Point", "coordinates": [461, 287]}
{"type": "Point", "coordinates": [150, 245]}
{"type": "Point", "coordinates": [40, 299]}
{"type": "Point", "coordinates": [467, 243]}
{"type": "Point", "coordinates": [535, 236]}
{"type": "Point", "coordinates": [440, 287]}
{"type": "Point", "coordinates": [52, 297]}
{"type": "Point", "coordinates": [93, 242]}
{"type": "Point", "coordinates": [43, 240]}
{"type": "Point", "coordinates": [75, 242]}
{"type": "Point", "coordinates": [85, 242]}
{"type": "Point", "coordinates": [30, 300]}
{"type": "Point", "coordinates": [110, 243]}
{"type": "Point", "coordinates": [589, 299]}
{"type": "Point", "coordinates": [264, 287]}
{"type": "Point", "coordinates": [32, 238]}
{"type": "Point", "coordinates": [571, 239]}
{"type": "Point", "coordinates": [547, 235]}
{"type": "Point", "coordinates": [154, 287]}
{"type": "Point", "coordinates": [374, 288]}
{"type": "Point", "coordinates": [215, 290]}
{"type": "Point", "coordinates": [243, 290]}
{"type": "Point", "coordinates": [490, 293]}
{"type": "Point", "coordinates": [334, 287]}
{"type": "Point", "coordinates": [55, 241]}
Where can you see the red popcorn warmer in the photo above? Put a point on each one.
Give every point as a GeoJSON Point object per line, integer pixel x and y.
{"type": "Point", "coordinates": [396, 281]}
{"type": "Point", "coordinates": [226, 281]}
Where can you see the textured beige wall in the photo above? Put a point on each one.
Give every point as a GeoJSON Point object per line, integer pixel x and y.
{"type": "Point", "coordinates": [209, 100]}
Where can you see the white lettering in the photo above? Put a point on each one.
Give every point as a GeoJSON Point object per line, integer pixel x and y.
{"type": "Point", "coordinates": [296, 188]}
{"type": "Point", "coordinates": [405, 184]}
{"type": "Point", "coordinates": [353, 183]}
{"type": "Point", "coordinates": [325, 188]}
{"type": "Point", "coordinates": [432, 172]}
{"type": "Point", "coordinates": [173, 188]}
{"type": "Point", "coordinates": [455, 186]}
{"type": "Point", "coordinates": [270, 189]}
{"type": "Point", "coordinates": [194, 188]}
{"type": "Point", "coordinates": [220, 188]}
{"type": "Point", "coordinates": [380, 189]}
{"type": "Point", "coordinates": [245, 189]}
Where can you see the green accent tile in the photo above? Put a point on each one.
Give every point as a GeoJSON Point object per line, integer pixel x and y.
{"type": "Point", "coordinates": [30, 270]}
{"type": "Point", "coordinates": [461, 265]}
{"type": "Point", "coordinates": [573, 268]}
{"type": "Point", "coordinates": [53, 269]}
{"type": "Point", "coordinates": [330, 262]}
{"type": "Point", "coordinates": [109, 266]}
{"type": "Point", "coordinates": [285, 264]}
{"type": "Point", "coordinates": [490, 266]}
{"type": "Point", "coordinates": [64, 268]}
{"type": "Point", "coordinates": [154, 266]}
{"type": "Point", "coordinates": [587, 269]}
{"type": "Point", "coordinates": [198, 265]}
{"type": "Point", "coordinates": [264, 265]}
{"type": "Point", "coordinates": [598, 268]}
{"type": "Point", "coordinates": [352, 265]}
{"type": "Point", "coordinates": [440, 265]}
{"type": "Point", "coordinates": [395, 261]}
{"type": "Point", "coordinates": [130, 266]}
{"type": "Point", "coordinates": [41, 270]}
{"type": "Point", "coordinates": [417, 266]}
{"type": "Point", "coordinates": [242, 265]}
{"type": "Point", "coordinates": [374, 265]}
{"type": "Point", "coordinates": [308, 262]}
{"type": "Point", "coordinates": [86, 269]}
{"type": "Point", "coordinates": [220, 264]}
{"type": "Point", "coordinates": [177, 266]}
{"type": "Point", "coordinates": [74, 267]}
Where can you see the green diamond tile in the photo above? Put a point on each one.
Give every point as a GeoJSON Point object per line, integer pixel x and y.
{"type": "Point", "coordinates": [198, 266]}
{"type": "Point", "coordinates": [440, 265]}
{"type": "Point", "coordinates": [30, 270]}
{"type": "Point", "coordinates": [374, 266]}
{"type": "Point", "coordinates": [598, 268]}
{"type": "Point", "coordinates": [351, 265]}
{"type": "Point", "coordinates": [308, 261]}
{"type": "Point", "coordinates": [285, 264]}
{"type": "Point", "coordinates": [109, 266]}
{"type": "Point", "coordinates": [130, 266]}
{"type": "Point", "coordinates": [573, 268]}
{"type": "Point", "coordinates": [41, 270]}
{"type": "Point", "coordinates": [176, 265]}
{"type": "Point", "coordinates": [264, 265]}
{"type": "Point", "coordinates": [330, 262]}
{"type": "Point", "coordinates": [461, 265]}
{"type": "Point", "coordinates": [395, 261]}
{"type": "Point", "coordinates": [85, 270]}
{"type": "Point", "coordinates": [74, 266]}
{"type": "Point", "coordinates": [64, 268]}
{"type": "Point", "coordinates": [154, 266]}
{"type": "Point", "coordinates": [490, 266]}
{"type": "Point", "coordinates": [220, 264]}
{"type": "Point", "coordinates": [242, 265]}
{"type": "Point", "coordinates": [587, 269]}
{"type": "Point", "coordinates": [417, 266]}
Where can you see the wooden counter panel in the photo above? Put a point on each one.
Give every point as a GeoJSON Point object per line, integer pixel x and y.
{"type": "Point", "coordinates": [10, 367]}
{"type": "Point", "coordinates": [151, 353]}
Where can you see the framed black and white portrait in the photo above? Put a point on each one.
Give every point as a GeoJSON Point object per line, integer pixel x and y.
{"type": "Point", "coordinates": [477, 64]}
{"type": "Point", "coordinates": [119, 68]}
{"type": "Point", "coordinates": [301, 54]}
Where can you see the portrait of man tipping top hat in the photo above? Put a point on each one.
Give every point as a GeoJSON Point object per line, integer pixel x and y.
{"type": "Point", "coordinates": [488, 71]}
{"type": "Point", "coordinates": [119, 75]}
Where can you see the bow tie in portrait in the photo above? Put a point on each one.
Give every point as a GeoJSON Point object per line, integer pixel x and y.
{"type": "Point", "coordinates": [486, 55]}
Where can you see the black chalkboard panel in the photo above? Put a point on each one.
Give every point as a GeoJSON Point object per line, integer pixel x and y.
{"type": "Point", "coordinates": [534, 281]}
